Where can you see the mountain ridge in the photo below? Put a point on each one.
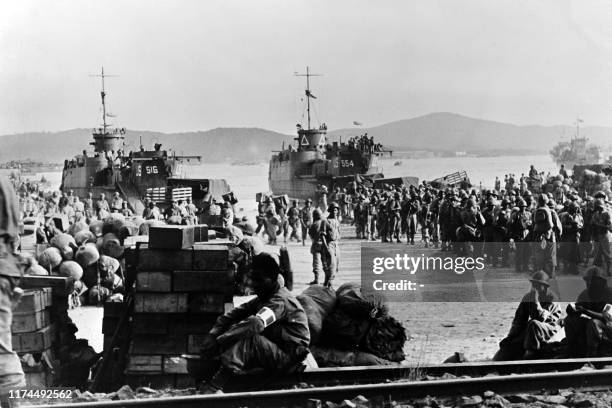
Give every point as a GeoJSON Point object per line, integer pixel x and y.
{"type": "Point", "coordinates": [438, 132]}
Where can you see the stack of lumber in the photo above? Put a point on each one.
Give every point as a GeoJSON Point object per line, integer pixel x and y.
{"type": "Point", "coordinates": [181, 287]}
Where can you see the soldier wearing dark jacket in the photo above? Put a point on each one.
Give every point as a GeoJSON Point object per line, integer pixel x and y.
{"type": "Point", "coordinates": [11, 373]}
{"type": "Point", "coordinates": [536, 321]}
{"type": "Point", "coordinates": [269, 332]}
{"type": "Point", "coordinates": [520, 224]}
{"type": "Point", "coordinates": [588, 325]}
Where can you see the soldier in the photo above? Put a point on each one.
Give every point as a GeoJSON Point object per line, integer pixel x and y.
{"type": "Point", "coordinates": [536, 321]}
{"type": "Point", "coordinates": [588, 324]}
{"type": "Point", "coordinates": [602, 225]}
{"type": "Point", "coordinates": [393, 209]}
{"type": "Point", "coordinates": [283, 227]}
{"type": "Point", "coordinates": [11, 375]}
{"type": "Point", "coordinates": [488, 230]}
{"type": "Point", "coordinates": [293, 214]}
{"type": "Point", "coordinates": [315, 231]}
{"type": "Point", "coordinates": [445, 220]}
{"type": "Point", "coordinates": [434, 211]}
{"type": "Point", "coordinates": [572, 224]}
{"type": "Point", "coordinates": [323, 197]}
{"type": "Point", "coordinates": [372, 217]}
{"type": "Point", "coordinates": [471, 231]}
{"type": "Point", "coordinates": [360, 219]}
{"type": "Point", "coordinates": [102, 207]}
{"type": "Point", "coordinates": [413, 207]}
{"type": "Point", "coordinates": [306, 219]}
{"type": "Point", "coordinates": [383, 218]}
{"type": "Point", "coordinates": [270, 331]}
{"type": "Point", "coordinates": [520, 225]}
{"type": "Point", "coordinates": [501, 249]}
{"type": "Point", "coordinates": [125, 211]}
{"type": "Point", "coordinates": [330, 238]}
{"type": "Point", "coordinates": [543, 237]}
{"type": "Point", "coordinates": [346, 204]}
{"type": "Point", "coordinates": [116, 203]}
{"type": "Point", "coordinates": [586, 247]}
{"type": "Point", "coordinates": [497, 184]}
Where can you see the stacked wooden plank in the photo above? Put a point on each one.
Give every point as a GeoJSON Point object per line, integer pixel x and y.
{"type": "Point", "coordinates": [165, 194]}
{"type": "Point", "coordinates": [179, 293]}
{"type": "Point", "coordinates": [33, 334]}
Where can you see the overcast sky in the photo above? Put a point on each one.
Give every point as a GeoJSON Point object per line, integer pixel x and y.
{"type": "Point", "coordinates": [194, 65]}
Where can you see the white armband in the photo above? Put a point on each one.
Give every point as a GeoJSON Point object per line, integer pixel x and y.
{"type": "Point", "coordinates": [267, 316]}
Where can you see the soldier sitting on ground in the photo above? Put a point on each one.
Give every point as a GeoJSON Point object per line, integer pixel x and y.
{"type": "Point", "coordinates": [269, 332]}
{"type": "Point", "coordinates": [536, 321]}
{"type": "Point", "coordinates": [588, 325]}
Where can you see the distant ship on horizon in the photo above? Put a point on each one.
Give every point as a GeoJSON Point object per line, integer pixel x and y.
{"type": "Point", "coordinates": [577, 151]}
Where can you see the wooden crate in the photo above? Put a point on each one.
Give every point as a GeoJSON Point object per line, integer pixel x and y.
{"type": "Point", "coordinates": [143, 364]}
{"type": "Point", "coordinates": [151, 323]}
{"type": "Point", "coordinates": [174, 365]}
{"type": "Point", "coordinates": [114, 309]}
{"type": "Point", "coordinates": [29, 322]}
{"type": "Point", "coordinates": [160, 303]}
{"type": "Point", "coordinates": [207, 303]}
{"type": "Point", "coordinates": [36, 341]}
{"type": "Point", "coordinates": [184, 323]}
{"type": "Point", "coordinates": [201, 257]}
{"type": "Point", "coordinates": [203, 281]}
{"type": "Point", "coordinates": [156, 344]}
{"type": "Point", "coordinates": [152, 381]}
{"type": "Point", "coordinates": [157, 281]}
{"type": "Point", "coordinates": [171, 237]}
{"type": "Point", "coordinates": [200, 233]}
{"type": "Point", "coordinates": [34, 300]}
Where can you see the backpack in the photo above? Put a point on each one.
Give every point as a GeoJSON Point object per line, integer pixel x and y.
{"type": "Point", "coordinates": [542, 216]}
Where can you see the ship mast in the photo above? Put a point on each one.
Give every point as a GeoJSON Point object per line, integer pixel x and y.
{"type": "Point", "coordinates": [103, 96]}
{"type": "Point", "coordinates": [308, 93]}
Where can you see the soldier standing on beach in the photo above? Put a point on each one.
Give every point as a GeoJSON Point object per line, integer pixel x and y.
{"type": "Point", "coordinates": [11, 373]}
{"type": "Point", "coordinates": [330, 239]}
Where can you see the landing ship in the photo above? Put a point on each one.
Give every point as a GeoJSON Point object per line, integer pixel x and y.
{"type": "Point", "coordinates": [134, 175]}
{"type": "Point", "coordinates": [301, 169]}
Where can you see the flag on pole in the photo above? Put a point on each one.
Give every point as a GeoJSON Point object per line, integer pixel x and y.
{"type": "Point", "coordinates": [580, 120]}
{"type": "Point", "coordinates": [310, 95]}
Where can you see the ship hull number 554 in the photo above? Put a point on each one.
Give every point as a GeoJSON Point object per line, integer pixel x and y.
{"type": "Point", "coordinates": [344, 163]}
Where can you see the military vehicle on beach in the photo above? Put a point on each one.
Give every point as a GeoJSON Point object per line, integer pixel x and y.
{"type": "Point", "coordinates": [299, 170]}
{"type": "Point", "coordinates": [135, 174]}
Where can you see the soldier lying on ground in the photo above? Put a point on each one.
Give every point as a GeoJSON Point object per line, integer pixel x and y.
{"type": "Point", "coordinates": [269, 332]}
{"type": "Point", "coordinates": [536, 321]}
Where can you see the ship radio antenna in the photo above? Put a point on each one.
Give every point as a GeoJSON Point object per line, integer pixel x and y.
{"type": "Point", "coordinates": [103, 96]}
{"type": "Point", "coordinates": [308, 93]}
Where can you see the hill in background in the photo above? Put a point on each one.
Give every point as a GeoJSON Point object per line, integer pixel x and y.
{"type": "Point", "coordinates": [437, 132]}
{"type": "Point", "coordinates": [452, 132]}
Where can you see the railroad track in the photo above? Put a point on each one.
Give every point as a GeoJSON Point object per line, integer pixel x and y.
{"type": "Point", "coordinates": [380, 384]}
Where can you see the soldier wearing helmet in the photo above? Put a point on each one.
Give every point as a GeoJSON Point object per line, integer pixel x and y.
{"type": "Point", "coordinates": [519, 229]}
{"type": "Point", "coordinates": [572, 224]}
{"type": "Point", "coordinates": [601, 227]}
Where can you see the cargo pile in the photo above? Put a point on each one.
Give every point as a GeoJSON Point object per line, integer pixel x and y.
{"type": "Point", "coordinates": [44, 338]}
{"type": "Point", "coordinates": [591, 182]}
{"type": "Point", "coordinates": [349, 329]}
{"type": "Point", "coordinates": [181, 287]}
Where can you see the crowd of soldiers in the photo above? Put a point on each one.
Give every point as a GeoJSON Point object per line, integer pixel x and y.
{"type": "Point", "coordinates": [539, 231]}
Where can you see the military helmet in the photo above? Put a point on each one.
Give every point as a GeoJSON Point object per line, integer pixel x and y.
{"type": "Point", "coordinates": [333, 205]}
{"type": "Point", "coordinates": [521, 203]}
{"type": "Point", "coordinates": [600, 194]}
{"type": "Point", "coordinates": [527, 193]}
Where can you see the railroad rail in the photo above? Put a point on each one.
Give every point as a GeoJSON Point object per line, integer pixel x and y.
{"type": "Point", "coordinates": [559, 374]}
